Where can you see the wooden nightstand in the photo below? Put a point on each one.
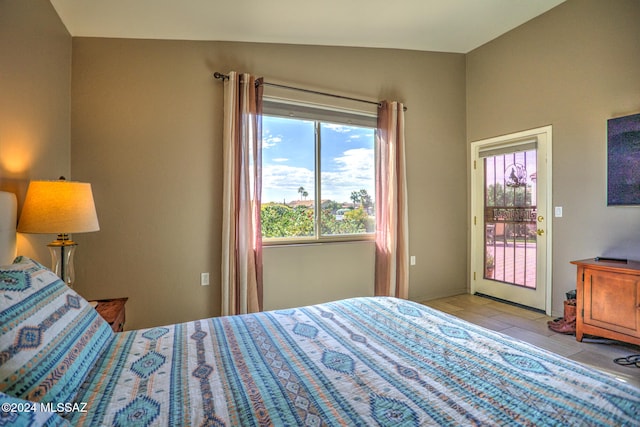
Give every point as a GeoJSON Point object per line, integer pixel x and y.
{"type": "Point", "coordinates": [111, 310]}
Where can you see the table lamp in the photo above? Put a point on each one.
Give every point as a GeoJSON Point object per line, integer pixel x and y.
{"type": "Point", "coordinates": [59, 207]}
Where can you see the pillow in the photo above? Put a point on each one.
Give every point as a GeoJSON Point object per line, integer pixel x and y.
{"type": "Point", "coordinates": [22, 413]}
{"type": "Point", "coordinates": [50, 337]}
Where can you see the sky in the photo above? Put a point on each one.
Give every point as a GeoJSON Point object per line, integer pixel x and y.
{"type": "Point", "coordinates": [347, 160]}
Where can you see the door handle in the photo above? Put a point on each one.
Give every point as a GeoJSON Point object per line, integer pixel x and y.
{"type": "Point", "coordinates": [540, 232]}
{"type": "Point", "coordinates": [540, 218]}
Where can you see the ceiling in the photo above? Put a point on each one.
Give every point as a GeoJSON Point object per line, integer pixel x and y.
{"type": "Point", "coordinates": [428, 25]}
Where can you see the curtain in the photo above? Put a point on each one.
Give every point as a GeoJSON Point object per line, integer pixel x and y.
{"type": "Point", "coordinates": [242, 164]}
{"type": "Point", "coordinates": [392, 234]}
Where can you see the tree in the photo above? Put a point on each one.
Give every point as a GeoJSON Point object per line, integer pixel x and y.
{"type": "Point", "coordinates": [361, 198]}
{"type": "Point", "coordinates": [365, 199]}
{"type": "Point", "coordinates": [332, 206]}
{"type": "Point", "coordinates": [357, 220]}
{"type": "Point", "coordinates": [355, 197]}
{"type": "Point", "coordinates": [279, 220]}
{"type": "Point", "coordinates": [275, 219]}
{"type": "Point", "coordinates": [301, 191]}
{"type": "Point", "coordinates": [499, 195]}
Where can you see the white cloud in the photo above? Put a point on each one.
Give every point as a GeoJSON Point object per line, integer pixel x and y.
{"type": "Point", "coordinates": [269, 139]}
{"type": "Point", "coordinates": [354, 171]}
{"type": "Point", "coordinates": [337, 127]}
{"type": "Point", "coordinates": [281, 182]}
{"type": "Point", "coordinates": [347, 171]}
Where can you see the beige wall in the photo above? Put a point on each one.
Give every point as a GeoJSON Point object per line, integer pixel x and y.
{"type": "Point", "coordinates": [147, 134]}
{"type": "Point", "coordinates": [35, 96]}
{"type": "Point", "coordinates": [573, 68]}
{"type": "Point", "coordinates": [296, 275]}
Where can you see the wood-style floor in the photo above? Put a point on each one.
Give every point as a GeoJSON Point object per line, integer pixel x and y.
{"type": "Point", "coordinates": [531, 326]}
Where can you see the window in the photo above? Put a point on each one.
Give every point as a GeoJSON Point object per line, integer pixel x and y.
{"type": "Point", "coordinates": [318, 173]}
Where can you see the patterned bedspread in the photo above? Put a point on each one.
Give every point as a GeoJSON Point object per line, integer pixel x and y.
{"type": "Point", "coordinates": [363, 361]}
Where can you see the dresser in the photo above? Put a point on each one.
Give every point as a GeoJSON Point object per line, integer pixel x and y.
{"type": "Point", "coordinates": [608, 300]}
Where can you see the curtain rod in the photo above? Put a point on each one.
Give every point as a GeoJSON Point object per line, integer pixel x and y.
{"type": "Point", "coordinates": [223, 77]}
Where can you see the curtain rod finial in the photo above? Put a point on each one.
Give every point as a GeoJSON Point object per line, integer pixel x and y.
{"type": "Point", "coordinates": [220, 76]}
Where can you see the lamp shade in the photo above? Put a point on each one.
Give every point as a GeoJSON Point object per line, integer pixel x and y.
{"type": "Point", "coordinates": [58, 207]}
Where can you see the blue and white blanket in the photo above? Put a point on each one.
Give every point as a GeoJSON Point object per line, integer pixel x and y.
{"type": "Point", "coordinates": [364, 361]}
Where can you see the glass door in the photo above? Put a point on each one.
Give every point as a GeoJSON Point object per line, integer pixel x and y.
{"type": "Point", "coordinates": [509, 218]}
{"type": "Point", "coordinates": [510, 233]}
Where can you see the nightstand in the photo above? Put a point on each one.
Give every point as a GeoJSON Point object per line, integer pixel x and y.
{"type": "Point", "coordinates": [111, 310]}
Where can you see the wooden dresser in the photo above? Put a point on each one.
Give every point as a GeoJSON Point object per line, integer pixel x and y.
{"type": "Point", "coordinates": [608, 300]}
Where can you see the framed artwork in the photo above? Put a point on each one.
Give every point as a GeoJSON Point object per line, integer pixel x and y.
{"type": "Point", "coordinates": [623, 161]}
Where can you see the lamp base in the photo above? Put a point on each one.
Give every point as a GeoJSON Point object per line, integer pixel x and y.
{"type": "Point", "coordinates": [62, 251]}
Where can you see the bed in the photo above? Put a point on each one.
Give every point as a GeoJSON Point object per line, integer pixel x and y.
{"type": "Point", "coordinates": [364, 361]}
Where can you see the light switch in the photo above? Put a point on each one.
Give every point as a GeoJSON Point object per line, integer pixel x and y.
{"type": "Point", "coordinates": [558, 212]}
{"type": "Point", "coordinates": [204, 279]}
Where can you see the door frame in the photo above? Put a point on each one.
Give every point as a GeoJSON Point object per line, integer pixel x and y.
{"type": "Point", "coordinates": [476, 260]}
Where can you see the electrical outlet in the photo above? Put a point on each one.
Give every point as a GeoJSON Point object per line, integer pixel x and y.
{"type": "Point", "coordinates": [204, 279]}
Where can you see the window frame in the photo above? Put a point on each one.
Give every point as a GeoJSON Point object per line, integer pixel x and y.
{"type": "Point", "coordinates": [320, 114]}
